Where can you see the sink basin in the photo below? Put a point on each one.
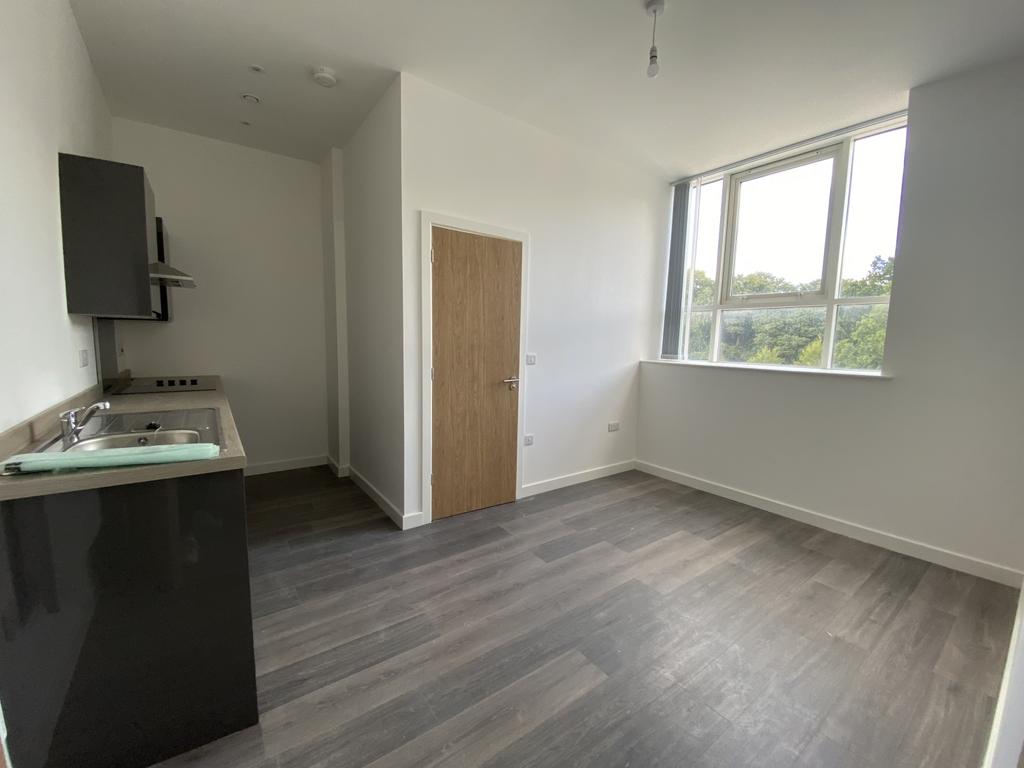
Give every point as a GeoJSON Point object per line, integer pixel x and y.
{"type": "Point", "coordinates": [132, 439]}
{"type": "Point", "coordinates": [127, 430]}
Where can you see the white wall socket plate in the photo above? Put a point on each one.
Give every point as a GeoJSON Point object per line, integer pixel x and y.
{"type": "Point", "coordinates": [613, 426]}
{"type": "Point", "coordinates": [83, 358]}
{"type": "Point", "coordinates": [531, 358]}
{"type": "Point", "coordinates": [528, 440]}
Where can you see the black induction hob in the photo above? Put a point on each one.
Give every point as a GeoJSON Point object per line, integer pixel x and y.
{"type": "Point", "coordinates": [149, 385]}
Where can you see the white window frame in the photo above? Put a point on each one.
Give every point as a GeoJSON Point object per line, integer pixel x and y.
{"type": "Point", "coordinates": [839, 173]}
{"type": "Point", "coordinates": [841, 149]}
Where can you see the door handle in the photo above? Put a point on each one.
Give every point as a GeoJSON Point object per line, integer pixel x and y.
{"type": "Point", "coordinates": [512, 381]}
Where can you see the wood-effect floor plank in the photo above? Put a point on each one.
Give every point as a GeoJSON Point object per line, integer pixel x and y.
{"type": "Point", "coordinates": [977, 643]}
{"type": "Point", "coordinates": [627, 621]}
{"type": "Point", "coordinates": [375, 732]}
{"type": "Point", "coordinates": [478, 733]}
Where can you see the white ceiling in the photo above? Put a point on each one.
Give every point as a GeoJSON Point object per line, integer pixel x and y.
{"type": "Point", "coordinates": [737, 77]}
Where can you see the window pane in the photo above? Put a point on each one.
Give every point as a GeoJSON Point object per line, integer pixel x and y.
{"type": "Point", "coordinates": [700, 336]}
{"type": "Point", "coordinates": [781, 225]}
{"type": "Point", "coordinates": [705, 260]}
{"type": "Point", "coordinates": [773, 336]}
{"type": "Point", "coordinates": [876, 179]}
{"type": "Point", "coordinates": [860, 336]}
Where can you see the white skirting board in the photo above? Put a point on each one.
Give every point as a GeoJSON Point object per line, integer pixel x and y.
{"type": "Point", "coordinates": [986, 570]}
{"type": "Point", "coordinates": [554, 483]}
{"type": "Point", "coordinates": [404, 522]}
{"type": "Point", "coordinates": [265, 467]}
{"type": "Point", "coordinates": [339, 470]}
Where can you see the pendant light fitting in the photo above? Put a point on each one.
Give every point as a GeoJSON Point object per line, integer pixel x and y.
{"type": "Point", "coordinates": [655, 8]}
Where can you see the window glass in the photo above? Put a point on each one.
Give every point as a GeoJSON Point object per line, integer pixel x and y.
{"type": "Point", "coordinates": [700, 336]}
{"type": "Point", "coordinates": [790, 336]}
{"type": "Point", "coordinates": [860, 336]}
{"type": "Point", "coordinates": [705, 260]}
{"type": "Point", "coordinates": [781, 229]}
{"type": "Point", "coordinates": [873, 211]}
{"type": "Point", "coordinates": [806, 270]}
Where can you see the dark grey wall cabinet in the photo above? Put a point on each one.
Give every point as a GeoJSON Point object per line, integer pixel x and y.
{"type": "Point", "coordinates": [125, 622]}
{"type": "Point", "coordinates": [108, 221]}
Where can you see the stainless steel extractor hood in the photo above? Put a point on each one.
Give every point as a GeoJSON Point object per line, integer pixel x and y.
{"type": "Point", "coordinates": [168, 276]}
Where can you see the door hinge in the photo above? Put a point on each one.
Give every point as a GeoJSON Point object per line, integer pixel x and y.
{"type": "Point", "coordinates": [431, 255]}
{"type": "Point", "coordinates": [431, 373]}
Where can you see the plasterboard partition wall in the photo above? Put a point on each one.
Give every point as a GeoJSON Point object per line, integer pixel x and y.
{"type": "Point", "coordinates": [1006, 742]}
{"type": "Point", "coordinates": [53, 103]}
{"type": "Point", "coordinates": [927, 462]}
{"type": "Point", "coordinates": [247, 224]}
{"type": "Point", "coordinates": [596, 233]}
{"type": "Point", "coordinates": [335, 313]}
{"type": "Point", "coordinates": [330, 306]}
{"type": "Point", "coordinates": [372, 173]}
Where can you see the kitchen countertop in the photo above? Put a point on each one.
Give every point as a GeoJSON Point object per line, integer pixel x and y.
{"type": "Point", "coordinates": [232, 455]}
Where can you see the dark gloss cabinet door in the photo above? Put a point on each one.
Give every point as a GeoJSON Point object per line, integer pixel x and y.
{"type": "Point", "coordinates": [125, 622]}
{"type": "Point", "coordinates": [108, 225]}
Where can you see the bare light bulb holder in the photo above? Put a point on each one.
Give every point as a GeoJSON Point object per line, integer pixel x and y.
{"type": "Point", "coordinates": [654, 8]}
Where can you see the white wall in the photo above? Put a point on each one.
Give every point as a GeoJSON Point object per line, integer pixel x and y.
{"type": "Point", "coordinates": [372, 161]}
{"type": "Point", "coordinates": [1007, 739]}
{"type": "Point", "coordinates": [332, 190]}
{"type": "Point", "coordinates": [341, 307]}
{"type": "Point", "coordinates": [247, 225]}
{"type": "Point", "coordinates": [327, 203]}
{"type": "Point", "coordinates": [934, 454]}
{"type": "Point", "coordinates": [330, 303]}
{"type": "Point", "coordinates": [597, 231]}
{"type": "Point", "coordinates": [52, 103]}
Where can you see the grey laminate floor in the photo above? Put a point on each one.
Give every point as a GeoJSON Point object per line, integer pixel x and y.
{"type": "Point", "coordinates": [624, 622]}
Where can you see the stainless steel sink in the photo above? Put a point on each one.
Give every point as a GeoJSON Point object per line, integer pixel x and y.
{"type": "Point", "coordinates": [125, 430]}
{"type": "Point", "coordinates": [132, 439]}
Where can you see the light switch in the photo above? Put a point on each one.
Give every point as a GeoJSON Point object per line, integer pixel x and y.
{"type": "Point", "coordinates": [531, 358]}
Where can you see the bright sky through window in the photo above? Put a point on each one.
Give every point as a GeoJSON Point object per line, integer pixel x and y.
{"type": "Point", "coordinates": [709, 214]}
{"type": "Point", "coordinates": [782, 223]}
{"type": "Point", "coordinates": [874, 210]}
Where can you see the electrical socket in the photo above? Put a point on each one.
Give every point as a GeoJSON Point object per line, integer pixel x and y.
{"type": "Point", "coordinates": [83, 358]}
{"type": "Point", "coordinates": [613, 426]}
{"type": "Point", "coordinates": [531, 358]}
{"type": "Point", "coordinates": [528, 440]}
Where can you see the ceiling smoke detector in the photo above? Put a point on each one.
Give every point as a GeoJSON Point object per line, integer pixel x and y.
{"type": "Point", "coordinates": [325, 76]}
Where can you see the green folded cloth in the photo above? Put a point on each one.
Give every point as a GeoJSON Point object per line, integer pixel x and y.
{"type": "Point", "coordinates": [110, 457]}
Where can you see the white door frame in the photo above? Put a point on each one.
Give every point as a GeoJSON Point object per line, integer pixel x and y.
{"type": "Point", "coordinates": [428, 220]}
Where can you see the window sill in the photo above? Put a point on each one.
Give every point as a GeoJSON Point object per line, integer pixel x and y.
{"type": "Point", "coordinates": [839, 372]}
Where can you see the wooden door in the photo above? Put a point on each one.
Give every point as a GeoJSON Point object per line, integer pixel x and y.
{"type": "Point", "coordinates": [476, 305]}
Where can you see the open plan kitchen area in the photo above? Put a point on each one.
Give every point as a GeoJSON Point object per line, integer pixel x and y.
{"type": "Point", "coordinates": [595, 384]}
